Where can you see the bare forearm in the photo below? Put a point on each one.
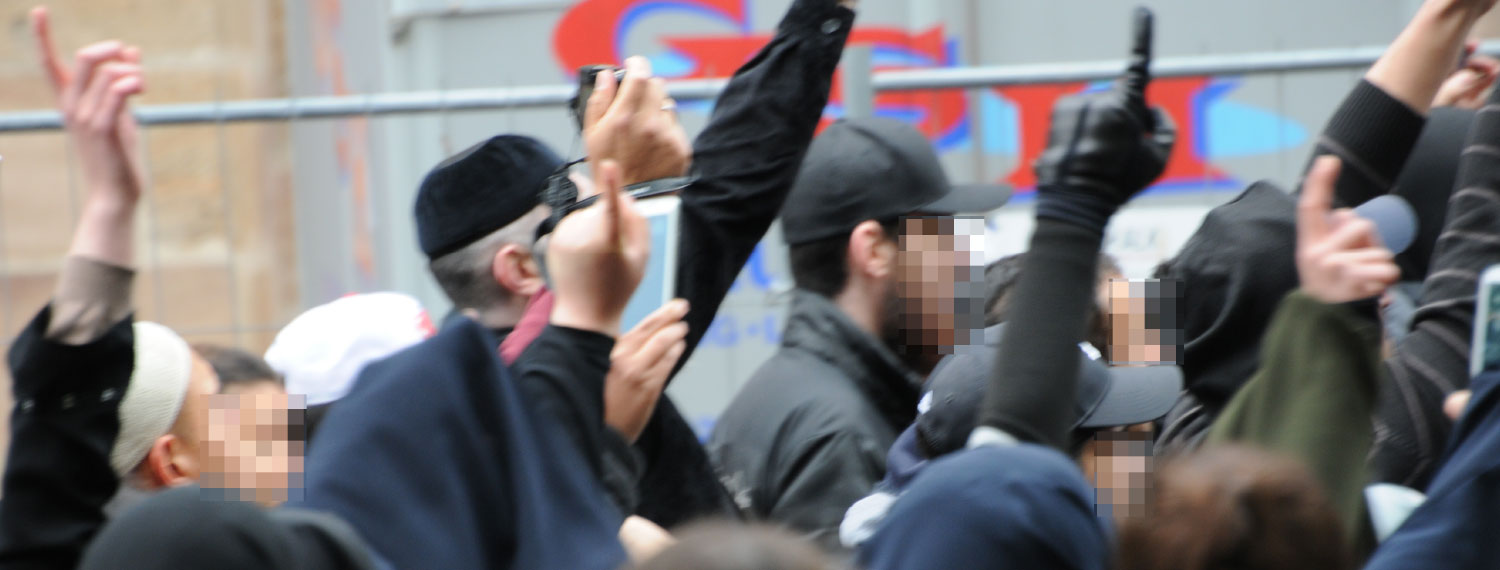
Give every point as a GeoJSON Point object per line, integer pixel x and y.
{"type": "Point", "coordinates": [1425, 53]}
{"type": "Point", "coordinates": [105, 231]}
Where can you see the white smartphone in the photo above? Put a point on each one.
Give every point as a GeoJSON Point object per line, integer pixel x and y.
{"type": "Point", "coordinates": [660, 282]}
{"type": "Point", "coordinates": [1484, 355]}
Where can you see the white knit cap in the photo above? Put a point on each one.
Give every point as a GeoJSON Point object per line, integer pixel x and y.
{"type": "Point", "coordinates": [158, 385]}
{"type": "Point", "coordinates": [322, 351]}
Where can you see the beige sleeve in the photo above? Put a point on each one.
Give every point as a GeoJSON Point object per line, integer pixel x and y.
{"type": "Point", "coordinates": [91, 297]}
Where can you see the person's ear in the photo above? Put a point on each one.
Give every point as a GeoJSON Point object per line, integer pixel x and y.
{"type": "Point", "coordinates": [170, 463]}
{"type": "Point", "coordinates": [871, 253]}
{"type": "Point", "coordinates": [516, 270]}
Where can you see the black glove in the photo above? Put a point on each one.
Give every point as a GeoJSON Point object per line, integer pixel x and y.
{"type": "Point", "coordinates": [1105, 147]}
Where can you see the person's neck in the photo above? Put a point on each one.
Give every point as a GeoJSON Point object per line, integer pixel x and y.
{"type": "Point", "coordinates": [501, 317]}
{"type": "Point", "coordinates": [863, 307]}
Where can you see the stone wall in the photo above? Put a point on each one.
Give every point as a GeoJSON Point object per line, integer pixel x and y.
{"type": "Point", "coordinates": [216, 255]}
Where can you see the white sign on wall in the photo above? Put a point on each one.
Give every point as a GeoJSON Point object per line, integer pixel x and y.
{"type": "Point", "coordinates": [1138, 237]}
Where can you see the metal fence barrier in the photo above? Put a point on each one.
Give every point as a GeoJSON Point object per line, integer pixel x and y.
{"type": "Point", "coordinates": [556, 95]}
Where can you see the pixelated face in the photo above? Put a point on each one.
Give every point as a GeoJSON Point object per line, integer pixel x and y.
{"type": "Point", "coordinates": [1144, 324]}
{"type": "Point", "coordinates": [939, 285]}
{"type": "Point", "coordinates": [1122, 465]}
{"type": "Point", "coordinates": [253, 447]}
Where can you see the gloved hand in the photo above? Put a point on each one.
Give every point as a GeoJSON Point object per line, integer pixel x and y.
{"type": "Point", "coordinates": [1105, 147]}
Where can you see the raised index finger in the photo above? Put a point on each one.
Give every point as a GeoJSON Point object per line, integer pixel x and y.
{"type": "Point", "coordinates": [610, 184]}
{"type": "Point", "coordinates": [41, 29]}
{"type": "Point", "coordinates": [1138, 74]}
{"type": "Point", "coordinates": [1316, 200]}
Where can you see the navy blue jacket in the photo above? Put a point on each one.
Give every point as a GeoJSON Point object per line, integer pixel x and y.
{"type": "Point", "coordinates": [1456, 527]}
{"type": "Point", "coordinates": [1022, 506]}
{"type": "Point", "coordinates": [438, 460]}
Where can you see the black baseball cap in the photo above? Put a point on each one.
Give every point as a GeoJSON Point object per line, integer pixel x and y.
{"type": "Point", "coordinates": [874, 169]}
{"type": "Point", "coordinates": [482, 189]}
{"type": "Point", "coordinates": [1106, 397]}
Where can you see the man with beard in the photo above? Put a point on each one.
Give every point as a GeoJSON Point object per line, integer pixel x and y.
{"type": "Point", "coordinates": [872, 254]}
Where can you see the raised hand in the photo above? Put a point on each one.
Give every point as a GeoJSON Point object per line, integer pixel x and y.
{"type": "Point", "coordinates": [1467, 87]}
{"type": "Point", "coordinates": [597, 256]}
{"type": "Point", "coordinates": [639, 366]}
{"type": "Point", "coordinates": [92, 97]}
{"type": "Point", "coordinates": [635, 124]}
{"type": "Point", "coordinates": [1105, 147]}
{"type": "Point", "coordinates": [1416, 64]}
{"type": "Point", "coordinates": [1339, 255]}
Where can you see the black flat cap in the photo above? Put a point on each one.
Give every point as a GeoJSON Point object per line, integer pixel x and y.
{"type": "Point", "coordinates": [480, 190]}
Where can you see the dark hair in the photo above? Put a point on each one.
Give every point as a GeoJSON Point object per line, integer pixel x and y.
{"type": "Point", "coordinates": [727, 546]}
{"type": "Point", "coordinates": [237, 367]}
{"type": "Point", "coordinates": [1002, 274]}
{"type": "Point", "coordinates": [1164, 269]}
{"type": "Point", "coordinates": [1108, 264]}
{"type": "Point", "coordinates": [999, 277]}
{"type": "Point", "coordinates": [822, 266]}
{"type": "Point", "coordinates": [1234, 507]}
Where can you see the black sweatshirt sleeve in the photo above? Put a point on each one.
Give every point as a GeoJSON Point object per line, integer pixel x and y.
{"type": "Point", "coordinates": [746, 160]}
{"type": "Point", "coordinates": [1373, 134]}
{"type": "Point", "coordinates": [562, 374]}
{"type": "Point", "coordinates": [1031, 393]}
{"type": "Point", "coordinates": [749, 154]}
{"type": "Point", "coordinates": [58, 476]}
{"type": "Point", "coordinates": [1433, 360]}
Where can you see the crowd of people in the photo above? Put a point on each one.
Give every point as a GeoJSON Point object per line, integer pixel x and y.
{"type": "Point", "coordinates": [1296, 392]}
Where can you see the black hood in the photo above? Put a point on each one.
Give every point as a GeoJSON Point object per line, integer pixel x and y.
{"type": "Point", "coordinates": [1234, 271]}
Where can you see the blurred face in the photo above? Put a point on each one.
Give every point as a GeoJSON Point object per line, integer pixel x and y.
{"type": "Point", "coordinates": [251, 450]}
{"type": "Point", "coordinates": [939, 279]}
{"type": "Point", "coordinates": [1143, 322]}
{"type": "Point", "coordinates": [1118, 462]}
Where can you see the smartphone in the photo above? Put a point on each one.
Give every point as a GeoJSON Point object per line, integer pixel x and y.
{"type": "Point", "coordinates": [586, 77]}
{"type": "Point", "coordinates": [659, 284]}
{"type": "Point", "coordinates": [1484, 355]}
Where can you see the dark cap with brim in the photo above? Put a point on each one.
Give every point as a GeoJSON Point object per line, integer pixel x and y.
{"type": "Point", "coordinates": [874, 169]}
{"type": "Point", "coordinates": [480, 190]}
{"type": "Point", "coordinates": [1106, 396]}
{"type": "Point", "coordinates": [1131, 395]}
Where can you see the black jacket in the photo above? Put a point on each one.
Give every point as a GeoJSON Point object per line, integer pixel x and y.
{"type": "Point", "coordinates": [745, 161]}
{"type": "Point", "coordinates": [58, 477]}
{"type": "Point", "coordinates": [807, 436]}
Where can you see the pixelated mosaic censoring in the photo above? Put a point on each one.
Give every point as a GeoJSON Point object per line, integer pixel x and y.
{"type": "Point", "coordinates": [1145, 322]}
{"type": "Point", "coordinates": [1123, 473]}
{"type": "Point", "coordinates": [253, 448]}
{"type": "Point", "coordinates": [940, 283]}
